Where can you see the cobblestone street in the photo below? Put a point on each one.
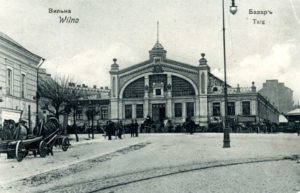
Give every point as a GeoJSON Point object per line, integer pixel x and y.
{"type": "Point", "coordinates": [163, 163]}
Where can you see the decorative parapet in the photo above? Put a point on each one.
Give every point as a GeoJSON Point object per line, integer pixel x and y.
{"type": "Point", "coordinates": [237, 90]}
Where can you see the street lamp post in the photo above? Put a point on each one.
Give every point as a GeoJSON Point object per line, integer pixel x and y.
{"type": "Point", "coordinates": [37, 92]}
{"type": "Point", "coordinates": [226, 140]}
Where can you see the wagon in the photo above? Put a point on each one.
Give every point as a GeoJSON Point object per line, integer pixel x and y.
{"type": "Point", "coordinates": [52, 133]}
{"type": "Point", "coordinates": [18, 144]}
{"type": "Point", "coordinates": [251, 124]}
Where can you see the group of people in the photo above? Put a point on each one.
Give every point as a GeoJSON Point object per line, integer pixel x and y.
{"type": "Point", "coordinates": [117, 129]}
{"type": "Point", "coordinates": [134, 128]}
{"type": "Point", "coordinates": [114, 129]}
{"type": "Point", "coordinates": [189, 125]}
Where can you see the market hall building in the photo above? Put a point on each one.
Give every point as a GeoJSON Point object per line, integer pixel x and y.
{"type": "Point", "coordinates": [167, 89]}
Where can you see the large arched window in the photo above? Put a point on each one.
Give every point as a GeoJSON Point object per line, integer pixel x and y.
{"type": "Point", "coordinates": [135, 89]}
{"type": "Point", "coordinates": [181, 87]}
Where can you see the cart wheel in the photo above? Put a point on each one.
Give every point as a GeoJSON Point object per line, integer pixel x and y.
{"type": "Point", "coordinates": [65, 143]}
{"type": "Point", "coordinates": [20, 151]}
{"type": "Point", "coordinates": [43, 149]}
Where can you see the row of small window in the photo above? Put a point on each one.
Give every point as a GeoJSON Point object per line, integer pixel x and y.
{"type": "Point", "coordinates": [177, 107]}
{"type": "Point", "coordinates": [246, 108]}
{"type": "Point", "coordinates": [103, 113]}
{"type": "Point", "coordinates": [189, 109]}
{"type": "Point", "coordinates": [10, 83]}
{"type": "Point", "coordinates": [139, 110]}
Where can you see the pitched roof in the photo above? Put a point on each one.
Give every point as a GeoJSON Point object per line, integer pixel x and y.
{"type": "Point", "coordinates": [9, 39]}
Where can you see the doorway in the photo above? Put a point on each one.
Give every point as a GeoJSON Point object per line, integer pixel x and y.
{"type": "Point", "coordinates": [158, 112]}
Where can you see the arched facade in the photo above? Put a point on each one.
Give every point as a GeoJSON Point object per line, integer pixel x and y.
{"type": "Point", "coordinates": [166, 89]}
{"type": "Point", "coordinates": [159, 87]}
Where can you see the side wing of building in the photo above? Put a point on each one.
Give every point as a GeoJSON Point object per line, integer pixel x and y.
{"type": "Point", "coordinates": [18, 80]}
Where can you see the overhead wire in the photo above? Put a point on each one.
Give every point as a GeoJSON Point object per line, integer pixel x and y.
{"type": "Point", "coordinates": [294, 11]}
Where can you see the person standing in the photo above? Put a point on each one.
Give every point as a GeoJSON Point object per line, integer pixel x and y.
{"type": "Point", "coordinates": [132, 125]}
{"type": "Point", "coordinates": [169, 126]}
{"type": "Point", "coordinates": [192, 126]}
{"type": "Point", "coordinates": [120, 129]}
{"type": "Point", "coordinates": [136, 128]}
{"type": "Point", "coordinates": [116, 131]}
{"type": "Point", "coordinates": [148, 124]}
{"type": "Point", "coordinates": [110, 129]}
{"type": "Point", "coordinates": [106, 129]}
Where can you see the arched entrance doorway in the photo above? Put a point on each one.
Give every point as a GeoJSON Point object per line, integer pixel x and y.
{"type": "Point", "coordinates": [158, 113]}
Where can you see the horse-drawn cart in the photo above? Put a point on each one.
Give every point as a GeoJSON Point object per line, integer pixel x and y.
{"type": "Point", "coordinates": [17, 142]}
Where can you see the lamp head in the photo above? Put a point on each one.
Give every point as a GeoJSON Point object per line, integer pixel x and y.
{"type": "Point", "coordinates": [233, 9]}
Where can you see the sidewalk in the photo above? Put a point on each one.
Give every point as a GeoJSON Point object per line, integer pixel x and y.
{"type": "Point", "coordinates": [78, 151]}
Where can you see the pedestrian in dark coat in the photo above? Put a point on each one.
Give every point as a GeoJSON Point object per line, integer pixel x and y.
{"type": "Point", "coordinates": [120, 129]}
{"type": "Point", "coordinates": [106, 129]}
{"type": "Point", "coordinates": [110, 129]}
{"type": "Point", "coordinates": [132, 125]}
{"type": "Point", "coordinates": [192, 127]}
{"type": "Point", "coordinates": [136, 128]}
{"type": "Point", "coordinates": [189, 125]}
{"type": "Point", "coordinates": [148, 123]}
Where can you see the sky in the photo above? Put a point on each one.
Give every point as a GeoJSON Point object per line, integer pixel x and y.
{"type": "Point", "coordinates": [126, 30]}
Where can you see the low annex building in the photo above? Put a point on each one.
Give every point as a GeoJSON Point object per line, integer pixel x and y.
{"type": "Point", "coordinates": [167, 89]}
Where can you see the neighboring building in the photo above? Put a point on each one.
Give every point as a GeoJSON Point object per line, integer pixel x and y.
{"type": "Point", "coordinates": [97, 99]}
{"type": "Point", "coordinates": [18, 81]}
{"type": "Point", "coordinates": [167, 89]}
{"type": "Point", "coordinates": [92, 98]}
{"type": "Point", "coordinates": [278, 94]}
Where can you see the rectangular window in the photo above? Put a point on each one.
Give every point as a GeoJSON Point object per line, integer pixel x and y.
{"type": "Point", "coordinates": [190, 109]}
{"type": "Point", "coordinates": [9, 81]}
{"type": "Point", "coordinates": [158, 92]}
{"type": "Point", "coordinates": [139, 111]}
{"type": "Point", "coordinates": [216, 109]}
{"type": "Point", "coordinates": [231, 108]}
{"type": "Point", "coordinates": [246, 107]}
{"type": "Point", "coordinates": [104, 112]}
{"type": "Point", "coordinates": [178, 109]}
{"type": "Point", "coordinates": [157, 59]}
{"type": "Point", "coordinates": [128, 111]}
{"type": "Point", "coordinates": [23, 84]}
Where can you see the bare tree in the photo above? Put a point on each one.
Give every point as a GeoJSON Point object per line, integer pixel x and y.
{"type": "Point", "coordinates": [59, 96]}
{"type": "Point", "coordinates": [91, 113]}
{"type": "Point", "coordinates": [72, 108]}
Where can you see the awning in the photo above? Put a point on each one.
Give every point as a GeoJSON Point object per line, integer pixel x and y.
{"type": "Point", "coordinates": [10, 114]}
